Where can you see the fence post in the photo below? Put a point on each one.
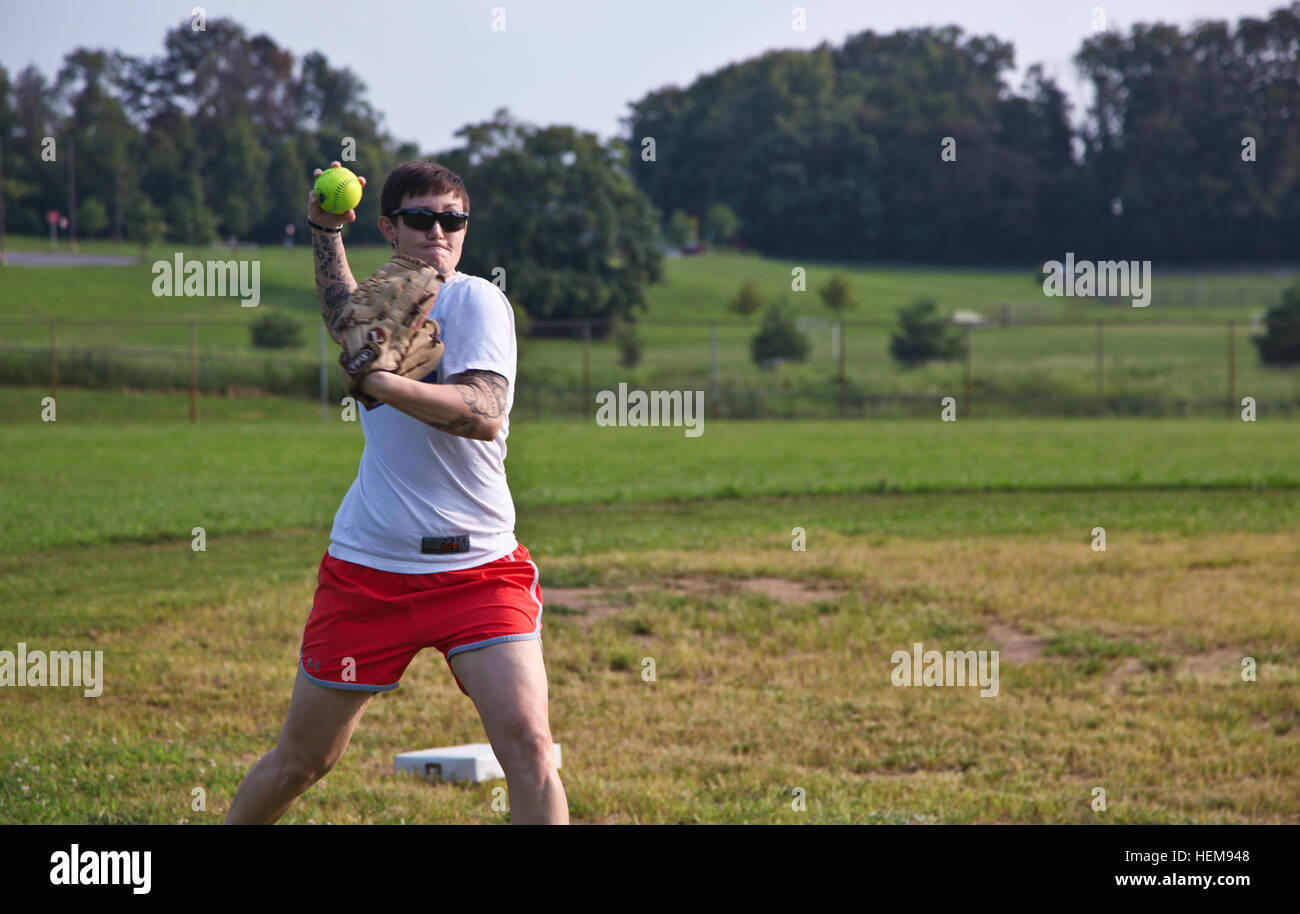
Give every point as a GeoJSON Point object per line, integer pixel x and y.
{"type": "Point", "coordinates": [1100, 397]}
{"type": "Point", "coordinates": [713, 372]}
{"type": "Point", "coordinates": [586, 365]}
{"type": "Point", "coordinates": [54, 363]}
{"type": "Point", "coordinates": [194, 371]}
{"type": "Point", "coordinates": [966, 398]}
{"type": "Point", "coordinates": [1232, 368]}
{"type": "Point", "coordinates": [324, 379]}
{"type": "Point", "coordinates": [839, 338]}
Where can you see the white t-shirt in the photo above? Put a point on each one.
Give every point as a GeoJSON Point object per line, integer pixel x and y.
{"type": "Point", "coordinates": [417, 486]}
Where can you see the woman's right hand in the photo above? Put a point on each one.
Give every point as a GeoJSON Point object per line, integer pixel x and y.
{"type": "Point", "coordinates": [319, 216]}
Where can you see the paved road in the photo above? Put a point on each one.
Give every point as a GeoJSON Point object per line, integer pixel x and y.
{"type": "Point", "coordinates": [59, 259]}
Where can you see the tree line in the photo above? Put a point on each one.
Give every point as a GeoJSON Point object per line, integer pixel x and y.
{"type": "Point", "coordinates": [910, 146]}
{"type": "Point", "coordinates": [902, 146]}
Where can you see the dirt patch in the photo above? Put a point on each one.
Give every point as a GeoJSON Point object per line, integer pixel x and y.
{"type": "Point", "coordinates": [694, 587]}
{"type": "Point", "coordinates": [1214, 663]}
{"type": "Point", "coordinates": [1015, 646]}
{"type": "Point", "coordinates": [787, 591]}
{"type": "Point", "coordinates": [590, 602]}
{"type": "Point", "coordinates": [594, 602]}
{"type": "Point", "coordinates": [576, 597]}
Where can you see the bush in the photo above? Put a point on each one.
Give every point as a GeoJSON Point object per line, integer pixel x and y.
{"type": "Point", "coordinates": [629, 344]}
{"type": "Point", "coordinates": [275, 331]}
{"type": "Point", "coordinates": [924, 334]}
{"type": "Point", "coordinates": [144, 221]}
{"type": "Point", "coordinates": [678, 230]}
{"type": "Point", "coordinates": [778, 339]}
{"type": "Point", "coordinates": [92, 220]}
{"type": "Point", "coordinates": [721, 224]}
{"type": "Point", "coordinates": [1280, 342]}
{"type": "Point", "coordinates": [748, 300]}
{"type": "Point", "coordinates": [837, 293]}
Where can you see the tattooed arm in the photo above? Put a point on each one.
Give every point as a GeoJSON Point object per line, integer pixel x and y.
{"type": "Point", "coordinates": [334, 281]}
{"type": "Point", "coordinates": [471, 404]}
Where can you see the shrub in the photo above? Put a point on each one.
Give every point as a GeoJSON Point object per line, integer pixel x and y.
{"type": "Point", "coordinates": [838, 293]}
{"type": "Point", "coordinates": [777, 339]}
{"type": "Point", "coordinates": [629, 344]}
{"type": "Point", "coordinates": [748, 300]}
{"type": "Point", "coordinates": [275, 331]}
{"type": "Point", "coordinates": [1280, 342]}
{"type": "Point", "coordinates": [924, 334]}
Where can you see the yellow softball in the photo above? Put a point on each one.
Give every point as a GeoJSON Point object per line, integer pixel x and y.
{"type": "Point", "coordinates": [337, 190]}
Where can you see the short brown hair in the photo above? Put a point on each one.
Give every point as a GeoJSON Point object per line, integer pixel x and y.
{"type": "Point", "coordinates": [420, 177]}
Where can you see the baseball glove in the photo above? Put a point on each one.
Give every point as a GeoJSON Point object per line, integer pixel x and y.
{"type": "Point", "coordinates": [383, 326]}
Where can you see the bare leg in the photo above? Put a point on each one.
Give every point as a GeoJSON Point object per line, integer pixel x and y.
{"type": "Point", "coordinates": [507, 682]}
{"type": "Point", "coordinates": [316, 732]}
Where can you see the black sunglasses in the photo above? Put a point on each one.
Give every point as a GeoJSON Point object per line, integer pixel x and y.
{"type": "Point", "coordinates": [421, 220]}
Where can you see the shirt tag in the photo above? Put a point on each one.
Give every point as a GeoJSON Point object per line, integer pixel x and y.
{"type": "Point", "coordinates": [444, 545]}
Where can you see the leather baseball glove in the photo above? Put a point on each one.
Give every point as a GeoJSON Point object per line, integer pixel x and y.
{"type": "Point", "coordinates": [383, 326]}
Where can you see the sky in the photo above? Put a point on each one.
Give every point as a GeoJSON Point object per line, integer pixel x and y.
{"type": "Point", "coordinates": [431, 67]}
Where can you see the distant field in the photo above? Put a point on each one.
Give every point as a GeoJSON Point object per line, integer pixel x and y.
{"type": "Point", "coordinates": [1120, 669]}
{"type": "Point", "coordinates": [159, 479]}
{"type": "Point", "coordinates": [1178, 364]}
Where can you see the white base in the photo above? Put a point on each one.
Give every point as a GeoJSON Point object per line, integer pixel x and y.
{"type": "Point", "coordinates": [472, 762]}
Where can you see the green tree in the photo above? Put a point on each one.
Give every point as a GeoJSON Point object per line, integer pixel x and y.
{"type": "Point", "coordinates": [36, 186]}
{"type": "Point", "coordinates": [748, 300]}
{"type": "Point", "coordinates": [106, 141]}
{"type": "Point", "coordinates": [924, 334]}
{"type": "Point", "coordinates": [1279, 344]}
{"type": "Point", "coordinates": [93, 218]}
{"type": "Point", "coordinates": [555, 209]}
{"type": "Point", "coordinates": [838, 293]}
{"type": "Point", "coordinates": [238, 179]}
{"type": "Point", "coordinates": [289, 180]}
{"type": "Point", "coordinates": [629, 343]}
{"type": "Point", "coordinates": [679, 228]}
{"type": "Point", "coordinates": [721, 223]}
{"type": "Point", "coordinates": [144, 223]}
{"type": "Point", "coordinates": [778, 338]}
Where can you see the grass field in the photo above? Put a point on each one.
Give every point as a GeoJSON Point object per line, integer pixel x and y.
{"type": "Point", "coordinates": [1119, 669]}
{"type": "Point", "coordinates": [1148, 353]}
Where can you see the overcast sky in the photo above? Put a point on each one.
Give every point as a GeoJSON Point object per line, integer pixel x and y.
{"type": "Point", "coordinates": [434, 66]}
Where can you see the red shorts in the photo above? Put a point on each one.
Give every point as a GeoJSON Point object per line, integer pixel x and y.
{"type": "Point", "coordinates": [366, 625]}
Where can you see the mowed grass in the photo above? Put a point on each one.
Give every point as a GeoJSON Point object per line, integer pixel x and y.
{"type": "Point", "coordinates": [1121, 669]}
{"type": "Point", "coordinates": [1141, 359]}
{"type": "Point", "coordinates": [105, 471]}
{"type": "Point", "coordinates": [1137, 688]}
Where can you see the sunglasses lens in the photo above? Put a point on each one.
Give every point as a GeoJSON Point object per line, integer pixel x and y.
{"type": "Point", "coordinates": [423, 221]}
{"type": "Point", "coordinates": [420, 222]}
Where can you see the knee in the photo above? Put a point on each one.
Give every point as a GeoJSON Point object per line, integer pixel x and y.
{"type": "Point", "coordinates": [296, 771]}
{"type": "Point", "coordinates": [528, 754]}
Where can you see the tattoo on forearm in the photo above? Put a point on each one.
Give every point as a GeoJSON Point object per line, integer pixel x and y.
{"type": "Point", "coordinates": [334, 281]}
{"type": "Point", "coordinates": [485, 393]}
